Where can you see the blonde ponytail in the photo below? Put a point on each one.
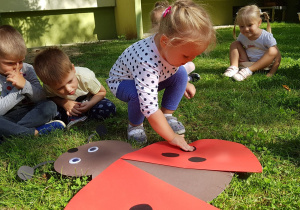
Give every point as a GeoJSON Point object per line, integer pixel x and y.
{"type": "Point", "coordinates": [234, 33]}
{"type": "Point", "coordinates": [266, 16]}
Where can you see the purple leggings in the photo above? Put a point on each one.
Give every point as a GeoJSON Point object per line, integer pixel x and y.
{"type": "Point", "coordinates": [174, 89]}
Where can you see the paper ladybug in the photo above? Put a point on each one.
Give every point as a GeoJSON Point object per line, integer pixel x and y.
{"type": "Point", "coordinates": [135, 180]}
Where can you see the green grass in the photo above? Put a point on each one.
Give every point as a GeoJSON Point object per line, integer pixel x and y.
{"type": "Point", "coordinates": [258, 113]}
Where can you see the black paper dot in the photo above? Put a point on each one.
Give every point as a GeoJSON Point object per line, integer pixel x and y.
{"type": "Point", "coordinates": [169, 154]}
{"type": "Point", "coordinates": [197, 159]}
{"type": "Point", "coordinates": [72, 150]}
{"type": "Point", "coordinates": [141, 207]}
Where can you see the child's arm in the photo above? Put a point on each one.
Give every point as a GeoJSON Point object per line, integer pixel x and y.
{"type": "Point", "coordinates": [70, 106]}
{"type": "Point", "coordinates": [275, 64]}
{"type": "Point", "coordinates": [16, 78]}
{"type": "Point", "coordinates": [266, 59]}
{"type": "Point", "coordinates": [159, 123]}
{"type": "Point", "coordinates": [87, 105]}
{"type": "Point", "coordinates": [10, 101]}
{"type": "Point", "coordinates": [24, 84]}
{"type": "Point", "coordinates": [32, 88]}
{"type": "Point", "coordinates": [9, 97]}
{"type": "Point", "coordinates": [190, 91]}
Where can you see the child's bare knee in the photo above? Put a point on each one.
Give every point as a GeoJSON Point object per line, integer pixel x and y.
{"type": "Point", "coordinates": [272, 51]}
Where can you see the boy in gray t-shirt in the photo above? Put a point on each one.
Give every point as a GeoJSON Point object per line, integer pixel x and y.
{"type": "Point", "coordinates": [24, 108]}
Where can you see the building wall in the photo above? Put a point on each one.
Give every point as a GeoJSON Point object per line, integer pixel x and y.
{"type": "Point", "coordinates": [45, 22]}
{"type": "Point", "coordinates": [129, 18]}
{"type": "Point", "coordinates": [38, 5]}
{"type": "Point", "coordinates": [63, 26]}
{"type": "Point", "coordinates": [58, 27]}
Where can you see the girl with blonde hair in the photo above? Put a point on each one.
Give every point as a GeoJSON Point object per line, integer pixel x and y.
{"type": "Point", "coordinates": [155, 63]}
{"type": "Point", "coordinates": [255, 48]}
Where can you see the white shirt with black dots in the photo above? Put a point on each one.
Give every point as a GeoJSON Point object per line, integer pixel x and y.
{"type": "Point", "coordinates": [142, 63]}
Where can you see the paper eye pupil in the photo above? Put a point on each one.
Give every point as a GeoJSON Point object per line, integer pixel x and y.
{"type": "Point", "coordinates": [74, 160]}
{"type": "Point", "coordinates": [93, 149]}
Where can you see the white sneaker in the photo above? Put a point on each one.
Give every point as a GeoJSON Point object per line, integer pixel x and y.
{"type": "Point", "coordinates": [176, 126]}
{"type": "Point", "coordinates": [230, 71]}
{"type": "Point", "coordinates": [193, 77]}
{"type": "Point", "coordinates": [137, 133]}
{"type": "Point", "coordinates": [242, 74]}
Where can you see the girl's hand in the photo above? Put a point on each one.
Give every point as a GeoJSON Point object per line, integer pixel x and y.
{"type": "Point", "coordinates": [179, 141]}
{"type": "Point", "coordinates": [190, 91]}
{"type": "Point", "coordinates": [16, 78]}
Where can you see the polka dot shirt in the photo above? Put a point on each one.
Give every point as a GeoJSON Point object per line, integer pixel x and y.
{"type": "Point", "coordinates": [142, 63]}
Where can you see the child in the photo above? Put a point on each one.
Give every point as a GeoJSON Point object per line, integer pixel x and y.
{"type": "Point", "coordinates": [155, 16]}
{"type": "Point", "coordinates": [24, 109]}
{"type": "Point", "coordinates": [77, 92]}
{"type": "Point", "coordinates": [154, 64]}
{"type": "Point", "coordinates": [255, 49]}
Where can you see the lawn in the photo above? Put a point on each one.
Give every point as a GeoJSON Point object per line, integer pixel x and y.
{"type": "Point", "coordinates": [258, 113]}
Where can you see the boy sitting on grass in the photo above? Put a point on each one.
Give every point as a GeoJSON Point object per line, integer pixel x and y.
{"type": "Point", "coordinates": [76, 91]}
{"type": "Point", "coordinates": [24, 109]}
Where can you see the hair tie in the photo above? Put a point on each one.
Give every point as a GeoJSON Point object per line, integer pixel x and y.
{"type": "Point", "coordinates": [168, 10]}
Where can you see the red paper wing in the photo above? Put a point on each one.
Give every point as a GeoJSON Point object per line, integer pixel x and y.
{"type": "Point", "coordinates": [210, 154]}
{"type": "Point", "coordinates": [124, 186]}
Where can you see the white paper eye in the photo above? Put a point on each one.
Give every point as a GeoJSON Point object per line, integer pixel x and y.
{"type": "Point", "coordinates": [93, 149]}
{"type": "Point", "coordinates": [74, 160]}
